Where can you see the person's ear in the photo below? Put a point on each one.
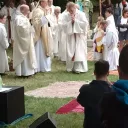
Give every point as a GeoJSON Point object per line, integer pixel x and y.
{"type": "Point", "coordinates": [119, 71]}
{"type": "Point", "coordinates": [108, 73]}
{"type": "Point", "coordinates": [94, 73]}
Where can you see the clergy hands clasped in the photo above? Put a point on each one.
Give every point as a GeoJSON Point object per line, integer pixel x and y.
{"type": "Point", "coordinates": [73, 18]}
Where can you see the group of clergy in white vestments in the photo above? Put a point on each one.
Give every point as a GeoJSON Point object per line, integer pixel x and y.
{"type": "Point", "coordinates": [46, 33]}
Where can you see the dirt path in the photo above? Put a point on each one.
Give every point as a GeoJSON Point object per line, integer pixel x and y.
{"type": "Point", "coordinates": [58, 89]}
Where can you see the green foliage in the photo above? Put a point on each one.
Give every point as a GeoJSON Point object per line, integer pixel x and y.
{"type": "Point", "coordinates": [95, 2]}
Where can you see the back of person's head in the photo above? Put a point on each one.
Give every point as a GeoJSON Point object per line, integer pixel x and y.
{"type": "Point", "coordinates": [123, 63]}
{"type": "Point", "coordinates": [101, 68]}
{"type": "Point", "coordinates": [103, 22]}
{"type": "Point", "coordinates": [100, 18]}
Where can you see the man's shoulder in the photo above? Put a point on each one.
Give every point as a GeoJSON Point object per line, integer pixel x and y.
{"type": "Point", "coordinates": [84, 87]}
{"type": "Point", "coordinates": [20, 20]}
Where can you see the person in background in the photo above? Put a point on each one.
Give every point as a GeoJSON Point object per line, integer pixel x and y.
{"type": "Point", "coordinates": [54, 20]}
{"type": "Point", "coordinates": [100, 19]}
{"type": "Point", "coordinates": [123, 5]}
{"type": "Point", "coordinates": [42, 37]}
{"type": "Point", "coordinates": [110, 18]}
{"type": "Point", "coordinates": [24, 58]}
{"type": "Point", "coordinates": [122, 24]}
{"type": "Point", "coordinates": [88, 10]}
{"type": "Point", "coordinates": [9, 10]}
{"type": "Point", "coordinates": [110, 43]}
{"type": "Point", "coordinates": [105, 5]}
{"type": "Point", "coordinates": [75, 26]}
{"type": "Point", "coordinates": [63, 36]}
{"type": "Point", "coordinates": [98, 38]}
{"type": "Point", "coordinates": [79, 2]}
{"type": "Point", "coordinates": [117, 12]}
{"type": "Point", "coordinates": [4, 67]}
{"type": "Point", "coordinates": [114, 105]}
{"type": "Point", "coordinates": [90, 95]}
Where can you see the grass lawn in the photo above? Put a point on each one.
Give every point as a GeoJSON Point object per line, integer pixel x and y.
{"type": "Point", "coordinates": [39, 106]}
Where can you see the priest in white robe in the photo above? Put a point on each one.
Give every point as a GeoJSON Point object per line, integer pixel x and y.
{"type": "Point", "coordinates": [24, 59]}
{"type": "Point", "coordinates": [63, 36]}
{"type": "Point", "coordinates": [9, 10]}
{"type": "Point", "coordinates": [42, 37]}
{"type": "Point", "coordinates": [54, 22]}
{"type": "Point", "coordinates": [75, 25]}
{"type": "Point", "coordinates": [3, 45]}
{"type": "Point", "coordinates": [110, 42]}
{"type": "Point", "coordinates": [110, 17]}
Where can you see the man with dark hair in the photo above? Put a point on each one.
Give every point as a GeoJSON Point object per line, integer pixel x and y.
{"type": "Point", "coordinates": [105, 4]}
{"type": "Point", "coordinates": [114, 106]}
{"type": "Point", "coordinates": [3, 45]}
{"type": "Point", "coordinates": [90, 95]}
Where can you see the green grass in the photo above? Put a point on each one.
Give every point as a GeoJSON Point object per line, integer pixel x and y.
{"type": "Point", "coordinates": [39, 106]}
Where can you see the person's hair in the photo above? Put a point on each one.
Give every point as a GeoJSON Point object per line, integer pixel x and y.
{"type": "Point", "coordinates": [104, 22]}
{"type": "Point", "coordinates": [70, 5]}
{"type": "Point", "coordinates": [101, 68]}
{"type": "Point", "coordinates": [23, 7]}
{"type": "Point", "coordinates": [57, 8]}
{"type": "Point", "coordinates": [109, 10]}
{"type": "Point", "coordinates": [2, 15]}
{"type": "Point", "coordinates": [100, 18]}
{"type": "Point", "coordinates": [124, 11]}
{"type": "Point", "coordinates": [123, 60]}
{"type": "Point", "coordinates": [42, 0]}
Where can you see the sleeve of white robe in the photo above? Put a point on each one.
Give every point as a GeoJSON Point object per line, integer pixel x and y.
{"type": "Point", "coordinates": [23, 32]}
{"type": "Point", "coordinates": [4, 40]}
{"type": "Point", "coordinates": [66, 25]}
{"type": "Point", "coordinates": [107, 40]}
{"type": "Point", "coordinates": [81, 25]}
{"type": "Point", "coordinates": [108, 43]}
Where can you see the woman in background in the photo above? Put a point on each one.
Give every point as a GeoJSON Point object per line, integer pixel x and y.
{"type": "Point", "coordinates": [122, 24]}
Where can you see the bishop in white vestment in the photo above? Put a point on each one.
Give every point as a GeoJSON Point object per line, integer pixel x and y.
{"type": "Point", "coordinates": [24, 59]}
{"type": "Point", "coordinates": [54, 22]}
{"type": "Point", "coordinates": [3, 45]}
{"type": "Point", "coordinates": [42, 37]}
{"type": "Point", "coordinates": [75, 25]}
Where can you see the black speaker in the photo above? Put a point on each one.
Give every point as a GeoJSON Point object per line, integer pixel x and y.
{"type": "Point", "coordinates": [12, 104]}
{"type": "Point", "coordinates": [44, 121]}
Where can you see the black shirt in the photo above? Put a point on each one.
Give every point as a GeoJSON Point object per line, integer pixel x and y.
{"type": "Point", "coordinates": [90, 97]}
